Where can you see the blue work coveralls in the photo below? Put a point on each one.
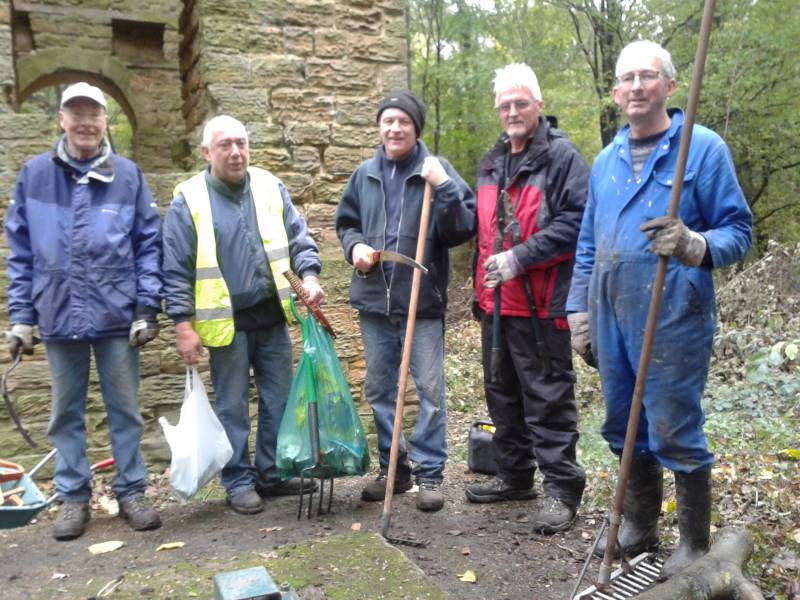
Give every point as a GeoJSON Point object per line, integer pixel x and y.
{"type": "Point", "coordinates": [613, 278]}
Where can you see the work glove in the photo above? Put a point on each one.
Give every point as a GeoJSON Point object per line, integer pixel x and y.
{"type": "Point", "coordinates": [500, 268]}
{"type": "Point", "coordinates": [580, 339]}
{"type": "Point", "coordinates": [671, 237]}
{"type": "Point", "coordinates": [142, 331]}
{"type": "Point", "coordinates": [314, 290]}
{"type": "Point", "coordinates": [362, 257]}
{"type": "Point", "coordinates": [20, 339]}
{"type": "Point", "coordinates": [433, 172]}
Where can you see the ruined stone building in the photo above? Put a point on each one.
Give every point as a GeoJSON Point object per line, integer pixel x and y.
{"type": "Point", "coordinates": [303, 75]}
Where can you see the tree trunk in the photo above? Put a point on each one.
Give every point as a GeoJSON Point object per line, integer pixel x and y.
{"type": "Point", "coordinates": [716, 576]}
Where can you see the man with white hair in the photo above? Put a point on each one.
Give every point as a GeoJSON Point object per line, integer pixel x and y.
{"type": "Point", "coordinates": [84, 265]}
{"type": "Point", "coordinates": [531, 194]}
{"type": "Point", "coordinates": [624, 231]}
{"type": "Point", "coordinates": [230, 234]}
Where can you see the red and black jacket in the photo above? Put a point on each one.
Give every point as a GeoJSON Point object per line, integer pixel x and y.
{"type": "Point", "coordinates": [548, 193]}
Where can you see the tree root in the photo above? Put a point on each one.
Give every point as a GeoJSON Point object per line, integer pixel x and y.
{"type": "Point", "coordinates": [716, 576]}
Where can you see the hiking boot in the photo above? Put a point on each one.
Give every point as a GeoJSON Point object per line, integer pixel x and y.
{"type": "Point", "coordinates": [644, 493]}
{"type": "Point", "coordinates": [693, 496]}
{"type": "Point", "coordinates": [72, 520]}
{"type": "Point", "coordinates": [430, 497]}
{"type": "Point", "coordinates": [375, 490]}
{"type": "Point", "coordinates": [290, 487]}
{"type": "Point", "coordinates": [554, 516]}
{"type": "Point", "coordinates": [498, 490]}
{"type": "Point", "coordinates": [139, 514]}
{"type": "Point", "coordinates": [247, 502]}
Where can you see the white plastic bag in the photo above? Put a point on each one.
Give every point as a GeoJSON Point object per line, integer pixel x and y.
{"type": "Point", "coordinates": [199, 444]}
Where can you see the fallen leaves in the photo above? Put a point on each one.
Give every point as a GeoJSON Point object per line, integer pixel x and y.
{"type": "Point", "coordinates": [170, 546]}
{"type": "Point", "coordinates": [104, 547]}
{"type": "Point", "coordinates": [468, 576]}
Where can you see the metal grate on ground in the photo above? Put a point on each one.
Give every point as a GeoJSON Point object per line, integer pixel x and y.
{"type": "Point", "coordinates": [642, 575]}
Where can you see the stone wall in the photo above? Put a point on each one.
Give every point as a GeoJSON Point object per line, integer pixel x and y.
{"type": "Point", "coordinates": [303, 76]}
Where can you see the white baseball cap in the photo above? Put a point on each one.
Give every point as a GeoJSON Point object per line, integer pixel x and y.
{"type": "Point", "coordinates": [83, 90]}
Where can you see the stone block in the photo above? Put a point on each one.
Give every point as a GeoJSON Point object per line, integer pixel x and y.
{"type": "Point", "coordinates": [298, 41]}
{"type": "Point", "coordinates": [85, 42]}
{"type": "Point", "coordinates": [263, 133]}
{"type": "Point", "coordinates": [343, 76]}
{"type": "Point", "coordinates": [329, 43]}
{"type": "Point", "coordinates": [365, 18]}
{"type": "Point", "coordinates": [339, 160]}
{"type": "Point", "coordinates": [244, 103]}
{"type": "Point", "coordinates": [358, 110]}
{"type": "Point", "coordinates": [292, 104]}
{"type": "Point", "coordinates": [300, 185]}
{"type": "Point", "coordinates": [377, 49]}
{"type": "Point", "coordinates": [355, 136]}
{"type": "Point", "coordinates": [328, 188]}
{"type": "Point", "coordinates": [394, 25]}
{"type": "Point", "coordinates": [244, 35]}
{"type": "Point", "coordinates": [315, 134]}
{"type": "Point", "coordinates": [269, 157]}
{"type": "Point", "coordinates": [297, 13]}
{"type": "Point", "coordinates": [393, 77]}
{"type": "Point", "coordinates": [271, 71]}
{"type": "Point", "coordinates": [306, 159]}
{"type": "Point", "coordinates": [226, 68]}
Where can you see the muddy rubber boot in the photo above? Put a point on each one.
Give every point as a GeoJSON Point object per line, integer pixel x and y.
{"type": "Point", "coordinates": [644, 494]}
{"type": "Point", "coordinates": [693, 494]}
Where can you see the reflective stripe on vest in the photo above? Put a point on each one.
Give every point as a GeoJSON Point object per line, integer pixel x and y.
{"type": "Point", "coordinates": [213, 319]}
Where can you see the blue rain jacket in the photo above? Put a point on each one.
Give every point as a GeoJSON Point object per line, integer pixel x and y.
{"type": "Point", "coordinates": [613, 279]}
{"type": "Point", "coordinates": [84, 250]}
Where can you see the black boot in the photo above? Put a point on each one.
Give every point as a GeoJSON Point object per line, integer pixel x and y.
{"type": "Point", "coordinates": [644, 493]}
{"type": "Point", "coordinates": [693, 494]}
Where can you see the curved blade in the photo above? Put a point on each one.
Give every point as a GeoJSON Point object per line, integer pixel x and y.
{"type": "Point", "coordinates": [388, 255]}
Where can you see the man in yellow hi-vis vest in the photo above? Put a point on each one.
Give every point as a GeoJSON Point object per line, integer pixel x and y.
{"type": "Point", "coordinates": [230, 233]}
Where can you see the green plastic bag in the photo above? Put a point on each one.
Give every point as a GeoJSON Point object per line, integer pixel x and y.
{"type": "Point", "coordinates": [319, 379]}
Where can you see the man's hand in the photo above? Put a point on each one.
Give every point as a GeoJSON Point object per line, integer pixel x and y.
{"type": "Point", "coordinates": [500, 268]}
{"type": "Point", "coordinates": [580, 339]}
{"type": "Point", "coordinates": [187, 343]}
{"type": "Point", "coordinates": [314, 290]}
{"type": "Point", "coordinates": [362, 257]}
{"type": "Point", "coordinates": [433, 172]}
{"type": "Point", "coordinates": [142, 331]}
{"type": "Point", "coordinates": [20, 339]}
{"type": "Point", "coordinates": [671, 237]}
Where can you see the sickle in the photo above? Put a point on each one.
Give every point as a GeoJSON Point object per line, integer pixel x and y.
{"type": "Point", "coordinates": [9, 406]}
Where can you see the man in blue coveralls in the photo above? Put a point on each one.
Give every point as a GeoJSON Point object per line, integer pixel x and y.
{"type": "Point", "coordinates": [623, 233]}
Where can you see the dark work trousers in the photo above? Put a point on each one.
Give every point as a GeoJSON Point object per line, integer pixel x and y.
{"type": "Point", "coordinates": [536, 416]}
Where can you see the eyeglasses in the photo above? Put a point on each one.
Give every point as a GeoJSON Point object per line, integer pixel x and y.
{"type": "Point", "coordinates": [520, 105]}
{"type": "Point", "coordinates": [645, 78]}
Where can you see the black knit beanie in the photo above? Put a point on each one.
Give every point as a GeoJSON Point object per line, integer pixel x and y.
{"type": "Point", "coordinates": [408, 103]}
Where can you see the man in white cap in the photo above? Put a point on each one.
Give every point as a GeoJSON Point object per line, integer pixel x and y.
{"type": "Point", "coordinates": [84, 265]}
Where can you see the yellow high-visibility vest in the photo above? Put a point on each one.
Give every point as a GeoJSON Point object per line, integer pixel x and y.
{"type": "Point", "coordinates": [213, 314]}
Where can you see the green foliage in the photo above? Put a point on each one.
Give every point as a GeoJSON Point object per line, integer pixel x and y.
{"type": "Point", "coordinates": [749, 94]}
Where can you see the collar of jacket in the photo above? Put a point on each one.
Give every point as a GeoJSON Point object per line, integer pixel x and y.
{"type": "Point", "coordinates": [537, 154]}
{"type": "Point", "coordinates": [373, 165]}
{"type": "Point", "coordinates": [101, 169]}
{"type": "Point", "coordinates": [676, 122]}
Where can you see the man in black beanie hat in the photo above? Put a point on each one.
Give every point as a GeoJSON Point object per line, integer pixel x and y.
{"type": "Point", "coordinates": [380, 209]}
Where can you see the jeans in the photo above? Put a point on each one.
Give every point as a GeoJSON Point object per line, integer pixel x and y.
{"type": "Point", "coordinates": [269, 352]}
{"type": "Point", "coordinates": [383, 346]}
{"type": "Point", "coordinates": [118, 369]}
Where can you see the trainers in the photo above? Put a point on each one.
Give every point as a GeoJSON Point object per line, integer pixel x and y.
{"type": "Point", "coordinates": [139, 514]}
{"type": "Point", "coordinates": [290, 487]}
{"type": "Point", "coordinates": [247, 502]}
{"type": "Point", "coordinates": [375, 490]}
{"type": "Point", "coordinates": [554, 516]}
{"type": "Point", "coordinates": [430, 497]}
{"type": "Point", "coordinates": [498, 490]}
{"type": "Point", "coordinates": [71, 521]}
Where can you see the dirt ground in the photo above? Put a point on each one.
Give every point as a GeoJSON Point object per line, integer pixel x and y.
{"type": "Point", "coordinates": [493, 541]}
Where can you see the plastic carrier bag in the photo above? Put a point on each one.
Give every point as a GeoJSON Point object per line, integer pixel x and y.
{"type": "Point", "coordinates": [319, 379]}
{"type": "Point", "coordinates": [199, 444]}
